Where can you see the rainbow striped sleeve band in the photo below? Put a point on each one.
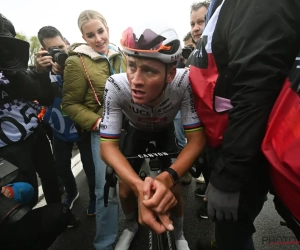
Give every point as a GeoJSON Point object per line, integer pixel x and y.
{"type": "Point", "coordinates": [109, 137]}
{"type": "Point", "coordinates": [192, 127]}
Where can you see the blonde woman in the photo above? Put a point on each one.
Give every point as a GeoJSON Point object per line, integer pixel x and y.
{"type": "Point", "coordinates": [86, 71]}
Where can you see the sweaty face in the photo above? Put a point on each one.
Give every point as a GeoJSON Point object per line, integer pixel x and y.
{"type": "Point", "coordinates": [197, 21]}
{"type": "Point", "coordinates": [146, 78]}
{"type": "Point", "coordinates": [55, 42]}
{"type": "Point", "coordinates": [96, 35]}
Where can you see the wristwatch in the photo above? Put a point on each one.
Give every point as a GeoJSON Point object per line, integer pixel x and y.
{"type": "Point", "coordinates": [173, 174]}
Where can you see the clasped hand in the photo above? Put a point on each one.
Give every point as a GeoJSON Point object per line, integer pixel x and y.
{"type": "Point", "coordinates": [154, 204]}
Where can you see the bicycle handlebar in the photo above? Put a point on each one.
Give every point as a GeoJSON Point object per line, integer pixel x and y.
{"type": "Point", "coordinates": [111, 178]}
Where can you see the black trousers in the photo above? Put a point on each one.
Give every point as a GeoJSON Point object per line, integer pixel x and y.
{"type": "Point", "coordinates": [62, 151]}
{"type": "Point", "coordinates": [32, 156]}
{"type": "Point", "coordinates": [37, 230]}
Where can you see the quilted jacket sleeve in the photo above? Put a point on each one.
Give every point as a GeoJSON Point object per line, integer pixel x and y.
{"type": "Point", "coordinates": [75, 87]}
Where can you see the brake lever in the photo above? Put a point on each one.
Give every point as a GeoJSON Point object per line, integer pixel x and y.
{"type": "Point", "coordinates": [110, 181]}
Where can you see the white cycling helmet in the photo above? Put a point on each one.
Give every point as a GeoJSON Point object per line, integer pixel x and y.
{"type": "Point", "coordinates": [154, 40]}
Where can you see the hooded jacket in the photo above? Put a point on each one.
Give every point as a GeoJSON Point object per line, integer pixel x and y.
{"type": "Point", "coordinates": [79, 101]}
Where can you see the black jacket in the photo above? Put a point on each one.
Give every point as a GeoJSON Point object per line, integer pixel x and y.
{"type": "Point", "coordinates": [254, 45]}
{"type": "Point", "coordinates": [30, 86]}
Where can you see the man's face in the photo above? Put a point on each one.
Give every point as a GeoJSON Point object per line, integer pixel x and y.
{"type": "Point", "coordinates": [146, 79]}
{"type": "Point", "coordinates": [197, 21]}
{"type": "Point", "coordinates": [55, 42]}
{"type": "Point", "coordinates": [189, 42]}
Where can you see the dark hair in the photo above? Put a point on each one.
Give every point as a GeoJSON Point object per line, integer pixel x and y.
{"type": "Point", "coordinates": [48, 32]}
{"type": "Point", "coordinates": [198, 5]}
{"type": "Point", "coordinates": [189, 36]}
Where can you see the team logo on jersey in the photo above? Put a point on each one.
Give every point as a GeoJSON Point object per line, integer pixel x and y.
{"type": "Point", "coordinates": [138, 111]}
{"type": "Point", "coordinates": [112, 81]}
{"type": "Point", "coordinates": [103, 127]}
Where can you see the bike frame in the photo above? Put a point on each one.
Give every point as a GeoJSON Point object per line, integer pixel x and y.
{"type": "Point", "coordinates": [162, 241]}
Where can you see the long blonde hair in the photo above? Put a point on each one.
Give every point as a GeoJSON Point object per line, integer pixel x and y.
{"type": "Point", "coordinates": [87, 15]}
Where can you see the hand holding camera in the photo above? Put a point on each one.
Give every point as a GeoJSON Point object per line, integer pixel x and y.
{"type": "Point", "coordinates": [53, 59]}
{"type": "Point", "coordinates": [43, 61]}
{"type": "Point", "coordinates": [186, 51]}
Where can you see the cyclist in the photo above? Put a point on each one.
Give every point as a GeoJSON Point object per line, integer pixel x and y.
{"type": "Point", "coordinates": [149, 95]}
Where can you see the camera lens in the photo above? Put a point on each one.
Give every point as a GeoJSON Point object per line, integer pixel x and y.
{"type": "Point", "coordinates": [186, 53]}
{"type": "Point", "coordinates": [14, 54]}
{"type": "Point", "coordinates": [60, 58]}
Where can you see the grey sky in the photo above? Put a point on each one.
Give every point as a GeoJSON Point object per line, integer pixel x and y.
{"type": "Point", "coordinates": [28, 16]}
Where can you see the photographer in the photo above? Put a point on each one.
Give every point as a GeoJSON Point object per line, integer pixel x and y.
{"type": "Point", "coordinates": [22, 141]}
{"type": "Point", "coordinates": [53, 53]}
{"type": "Point", "coordinates": [189, 46]}
{"type": "Point", "coordinates": [51, 59]}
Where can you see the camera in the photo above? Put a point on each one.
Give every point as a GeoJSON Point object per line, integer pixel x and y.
{"type": "Point", "coordinates": [58, 56]}
{"type": "Point", "coordinates": [10, 211]}
{"type": "Point", "coordinates": [186, 51]}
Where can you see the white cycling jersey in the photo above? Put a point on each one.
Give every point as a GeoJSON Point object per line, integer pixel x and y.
{"type": "Point", "coordinates": [118, 101]}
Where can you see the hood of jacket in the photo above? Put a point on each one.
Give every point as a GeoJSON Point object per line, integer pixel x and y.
{"type": "Point", "coordinates": [83, 48]}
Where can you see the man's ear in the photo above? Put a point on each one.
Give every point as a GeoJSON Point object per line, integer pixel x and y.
{"type": "Point", "coordinates": [171, 74]}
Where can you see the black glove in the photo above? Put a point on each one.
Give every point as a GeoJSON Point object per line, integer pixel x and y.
{"type": "Point", "coordinates": [222, 205]}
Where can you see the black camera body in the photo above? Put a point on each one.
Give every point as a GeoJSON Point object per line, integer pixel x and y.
{"type": "Point", "coordinates": [186, 51]}
{"type": "Point", "coordinates": [10, 211]}
{"type": "Point", "coordinates": [59, 56]}
{"type": "Point", "coordinates": [8, 172]}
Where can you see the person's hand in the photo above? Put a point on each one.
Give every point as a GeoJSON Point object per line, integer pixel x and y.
{"type": "Point", "coordinates": [6, 192]}
{"type": "Point", "coordinates": [159, 223]}
{"type": "Point", "coordinates": [222, 205]}
{"type": "Point", "coordinates": [56, 69]}
{"type": "Point", "coordinates": [157, 196]}
{"type": "Point", "coordinates": [97, 124]}
{"type": "Point", "coordinates": [43, 62]}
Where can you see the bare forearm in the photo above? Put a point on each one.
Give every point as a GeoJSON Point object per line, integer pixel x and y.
{"type": "Point", "coordinates": [112, 156]}
{"type": "Point", "coordinates": [187, 157]}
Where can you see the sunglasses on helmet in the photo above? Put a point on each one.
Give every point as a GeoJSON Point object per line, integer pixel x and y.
{"type": "Point", "coordinates": [149, 41]}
